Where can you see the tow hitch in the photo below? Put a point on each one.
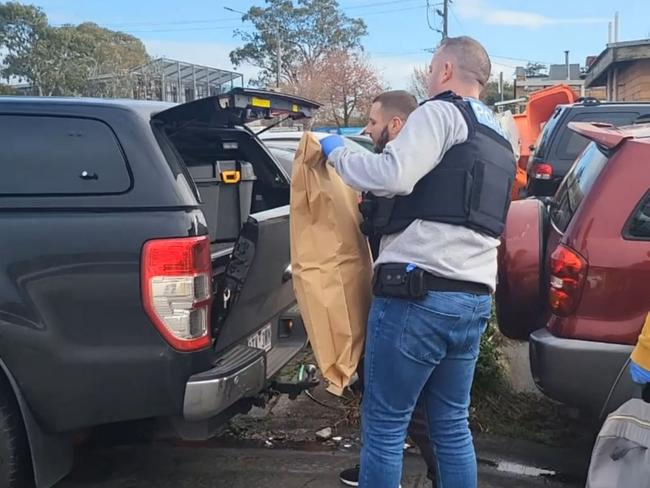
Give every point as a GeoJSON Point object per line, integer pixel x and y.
{"type": "Point", "coordinates": [306, 380]}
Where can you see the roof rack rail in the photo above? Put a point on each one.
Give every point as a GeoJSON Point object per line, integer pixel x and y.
{"type": "Point", "coordinates": [588, 101]}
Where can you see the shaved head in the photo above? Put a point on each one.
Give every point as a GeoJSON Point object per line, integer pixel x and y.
{"type": "Point", "coordinates": [460, 64]}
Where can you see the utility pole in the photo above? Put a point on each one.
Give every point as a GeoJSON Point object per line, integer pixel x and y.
{"type": "Point", "coordinates": [501, 87]}
{"type": "Point", "coordinates": [444, 13]}
{"type": "Point", "coordinates": [445, 18]}
{"type": "Point", "coordinates": [279, 60]}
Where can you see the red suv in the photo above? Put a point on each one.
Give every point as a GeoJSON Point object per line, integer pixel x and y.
{"type": "Point", "coordinates": [574, 274]}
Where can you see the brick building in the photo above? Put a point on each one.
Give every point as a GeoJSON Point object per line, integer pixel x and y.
{"type": "Point", "coordinates": [623, 70]}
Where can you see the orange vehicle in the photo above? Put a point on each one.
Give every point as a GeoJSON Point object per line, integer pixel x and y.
{"type": "Point", "coordinates": [539, 109]}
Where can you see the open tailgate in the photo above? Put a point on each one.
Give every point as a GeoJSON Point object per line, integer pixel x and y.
{"type": "Point", "coordinates": [259, 278]}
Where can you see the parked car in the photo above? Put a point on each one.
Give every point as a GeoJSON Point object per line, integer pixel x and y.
{"type": "Point", "coordinates": [574, 274]}
{"type": "Point", "coordinates": [134, 284]}
{"type": "Point", "coordinates": [557, 147]}
{"type": "Point", "coordinates": [363, 140]}
{"type": "Point", "coordinates": [283, 145]}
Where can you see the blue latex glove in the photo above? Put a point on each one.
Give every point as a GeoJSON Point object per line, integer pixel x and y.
{"type": "Point", "coordinates": [329, 143]}
{"type": "Point", "coordinates": [639, 375]}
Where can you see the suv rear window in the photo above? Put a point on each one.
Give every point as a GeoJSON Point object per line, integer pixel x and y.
{"type": "Point", "coordinates": [572, 144]}
{"type": "Point", "coordinates": [544, 140]}
{"type": "Point", "coordinates": [60, 156]}
{"type": "Point", "coordinates": [577, 184]}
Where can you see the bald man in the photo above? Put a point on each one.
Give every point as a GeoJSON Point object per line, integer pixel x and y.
{"type": "Point", "coordinates": [442, 190]}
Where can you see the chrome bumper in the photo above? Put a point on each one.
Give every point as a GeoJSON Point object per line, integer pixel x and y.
{"type": "Point", "coordinates": [240, 373]}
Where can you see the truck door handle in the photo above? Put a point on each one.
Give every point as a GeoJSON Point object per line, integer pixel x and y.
{"type": "Point", "coordinates": [287, 275]}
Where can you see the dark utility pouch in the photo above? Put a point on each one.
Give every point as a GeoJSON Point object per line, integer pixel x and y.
{"type": "Point", "coordinates": [400, 281]}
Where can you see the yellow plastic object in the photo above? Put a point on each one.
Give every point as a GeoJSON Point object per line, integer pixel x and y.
{"type": "Point", "coordinates": [260, 102]}
{"type": "Point", "coordinates": [641, 353]}
{"type": "Point", "coordinates": [231, 177]}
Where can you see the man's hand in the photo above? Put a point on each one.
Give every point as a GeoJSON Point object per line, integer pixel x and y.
{"type": "Point", "coordinates": [329, 143]}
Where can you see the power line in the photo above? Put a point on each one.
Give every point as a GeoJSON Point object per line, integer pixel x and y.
{"type": "Point", "coordinates": [370, 6]}
{"type": "Point", "coordinates": [460, 24]}
{"type": "Point", "coordinates": [379, 4]}
{"type": "Point", "coordinates": [380, 12]}
{"type": "Point", "coordinates": [185, 29]}
{"type": "Point", "coordinates": [160, 23]}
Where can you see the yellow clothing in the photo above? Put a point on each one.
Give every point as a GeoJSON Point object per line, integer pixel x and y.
{"type": "Point", "coordinates": [641, 353]}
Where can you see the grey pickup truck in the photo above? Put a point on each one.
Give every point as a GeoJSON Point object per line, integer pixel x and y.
{"type": "Point", "coordinates": [144, 269]}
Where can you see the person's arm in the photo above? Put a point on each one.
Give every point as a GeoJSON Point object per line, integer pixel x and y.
{"type": "Point", "coordinates": [430, 131]}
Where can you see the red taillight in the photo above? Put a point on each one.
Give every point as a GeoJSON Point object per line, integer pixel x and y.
{"type": "Point", "coordinates": [568, 272]}
{"type": "Point", "coordinates": [542, 171]}
{"type": "Point", "coordinates": [177, 290]}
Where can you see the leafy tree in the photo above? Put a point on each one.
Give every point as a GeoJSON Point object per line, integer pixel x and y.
{"type": "Point", "coordinates": [491, 93]}
{"type": "Point", "coordinates": [61, 60]}
{"type": "Point", "coordinates": [536, 70]}
{"type": "Point", "coordinates": [305, 30]}
{"type": "Point", "coordinates": [21, 28]}
{"type": "Point", "coordinates": [113, 51]}
{"type": "Point", "coordinates": [6, 90]}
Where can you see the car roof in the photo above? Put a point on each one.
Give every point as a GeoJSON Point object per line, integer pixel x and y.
{"type": "Point", "coordinates": [144, 108]}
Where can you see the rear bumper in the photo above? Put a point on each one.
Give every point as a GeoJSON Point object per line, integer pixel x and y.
{"type": "Point", "coordinates": [581, 373]}
{"type": "Point", "coordinates": [240, 373]}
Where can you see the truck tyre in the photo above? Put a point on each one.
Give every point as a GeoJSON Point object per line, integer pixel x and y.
{"type": "Point", "coordinates": [15, 463]}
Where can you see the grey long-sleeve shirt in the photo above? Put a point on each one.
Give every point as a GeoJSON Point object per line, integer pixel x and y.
{"type": "Point", "coordinates": [445, 250]}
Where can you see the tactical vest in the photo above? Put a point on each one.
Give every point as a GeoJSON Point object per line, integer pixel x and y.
{"type": "Point", "coordinates": [470, 187]}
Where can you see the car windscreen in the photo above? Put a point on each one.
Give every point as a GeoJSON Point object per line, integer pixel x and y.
{"type": "Point", "coordinates": [577, 184]}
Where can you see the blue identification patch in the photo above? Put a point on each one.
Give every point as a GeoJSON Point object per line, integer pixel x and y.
{"type": "Point", "coordinates": [485, 116]}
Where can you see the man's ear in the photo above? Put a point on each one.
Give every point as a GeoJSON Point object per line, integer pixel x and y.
{"type": "Point", "coordinates": [396, 124]}
{"type": "Point", "coordinates": [447, 72]}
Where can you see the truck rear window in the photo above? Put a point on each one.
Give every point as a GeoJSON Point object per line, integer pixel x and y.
{"type": "Point", "coordinates": [577, 184]}
{"type": "Point", "coordinates": [60, 156]}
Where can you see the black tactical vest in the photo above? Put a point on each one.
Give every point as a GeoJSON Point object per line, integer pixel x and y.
{"type": "Point", "coordinates": [470, 187]}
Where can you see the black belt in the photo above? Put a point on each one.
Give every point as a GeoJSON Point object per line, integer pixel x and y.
{"type": "Point", "coordinates": [437, 283]}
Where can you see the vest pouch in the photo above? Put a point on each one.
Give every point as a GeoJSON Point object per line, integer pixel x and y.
{"type": "Point", "coordinates": [490, 196]}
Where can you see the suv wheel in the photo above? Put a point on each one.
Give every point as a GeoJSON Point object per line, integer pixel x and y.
{"type": "Point", "coordinates": [15, 465]}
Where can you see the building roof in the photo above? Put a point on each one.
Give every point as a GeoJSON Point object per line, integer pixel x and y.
{"type": "Point", "coordinates": [615, 53]}
{"type": "Point", "coordinates": [559, 72]}
{"type": "Point", "coordinates": [544, 82]}
{"type": "Point", "coordinates": [172, 69]}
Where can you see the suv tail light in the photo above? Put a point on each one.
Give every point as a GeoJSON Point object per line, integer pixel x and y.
{"type": "Point", "coordinates": [568, 273]}
{"type": "Point", "coordinates": [542, 171]}
{"type": "Point", "coordinates": [177, 290]}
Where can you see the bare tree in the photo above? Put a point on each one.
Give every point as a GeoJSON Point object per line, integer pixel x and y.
{"type": "Point", "coordinates": [420, 82]}
{"type": "Point", "coordinates": [345, 83]}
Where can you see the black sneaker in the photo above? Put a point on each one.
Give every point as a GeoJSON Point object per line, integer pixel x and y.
{"type": "Point", "coordinates": [350, 477]}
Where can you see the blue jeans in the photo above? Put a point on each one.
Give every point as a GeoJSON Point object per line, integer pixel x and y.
{"type": "Point", "coordinates": [424, 348]}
